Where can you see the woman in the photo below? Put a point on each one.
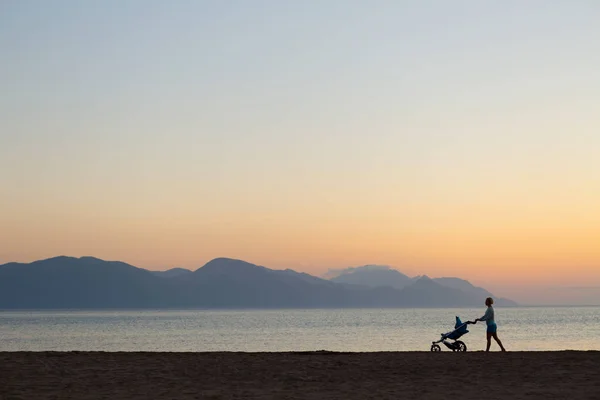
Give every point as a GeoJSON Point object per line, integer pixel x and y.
{"type": "Point", "coordinates": [492, 328]}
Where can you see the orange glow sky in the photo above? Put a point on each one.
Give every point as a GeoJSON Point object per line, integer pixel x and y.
{"type": "Point", "coordinates": [441, 139]}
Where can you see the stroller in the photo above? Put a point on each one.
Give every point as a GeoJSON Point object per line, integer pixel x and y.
{"type": "Point", "coordinates": [460, 328]}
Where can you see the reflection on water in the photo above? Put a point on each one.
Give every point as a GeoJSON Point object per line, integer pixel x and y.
{"type": "Point", "coordinates": [293, 330]}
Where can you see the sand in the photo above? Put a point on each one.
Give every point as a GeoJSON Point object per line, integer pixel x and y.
{"type": "Point", "coordinates": [320, 375]}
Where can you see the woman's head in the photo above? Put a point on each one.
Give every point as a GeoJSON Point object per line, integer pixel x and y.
{"type": "Point", "coordinates": [489, 301]}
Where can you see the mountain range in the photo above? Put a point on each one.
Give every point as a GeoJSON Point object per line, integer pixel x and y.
{"type": "Point", "coordinates": [91, 283]}
{"type": "Point", "coordinates": [383, 275]}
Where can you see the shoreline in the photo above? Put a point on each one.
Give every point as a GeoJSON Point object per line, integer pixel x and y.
{"type": "Point", "coordinates": [298, 352]}
{"type": "Point", "coordinates": [300, 375]}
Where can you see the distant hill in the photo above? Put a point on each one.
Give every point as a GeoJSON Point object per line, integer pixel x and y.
{"type": "Point", "coordinates": [226, 282]}
{"type": "Point", "coordinates": [67, 282]}
{"type": "Point", "coordinates": [375, 276]}
{"type": "Point", "coordinates": [85, 283]}
{"type": "Point", "coordinates": [426, 292]}
{"type": "Point", "coordinates": [170, 273]}
{"type": "Point", "coordinates": [467, 287]}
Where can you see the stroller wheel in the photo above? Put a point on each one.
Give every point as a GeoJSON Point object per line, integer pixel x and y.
{"type": "Point", "coordinates": [460, 346]}
{"type": "Point", "coordinates": [435, 347]}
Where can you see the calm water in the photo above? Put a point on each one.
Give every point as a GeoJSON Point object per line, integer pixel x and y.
{"type": "Point", "coordinates": [292, 330]}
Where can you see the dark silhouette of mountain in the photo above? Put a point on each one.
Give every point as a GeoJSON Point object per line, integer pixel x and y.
{"type": "Point", "coordinates": [462, 284]}
{"type": "Point", "coordinates": [87, 282]}
{"type": "Point", "coordinates": [468, 287]}
{"type": "Point", "coordinates": [425, 292]}
{"type": "Point", "coordinates": [380, 276]}
{"type": "Point", "coordinates": [335, 272]}
{"type": "Point", "coordinates": [373, 276]}
{"type": "Point", "coordinates": [67, 283]}
{"type": "Point", "coordinates": [225, 282]}
{"type": "Point", "coordinates": [170, 273]}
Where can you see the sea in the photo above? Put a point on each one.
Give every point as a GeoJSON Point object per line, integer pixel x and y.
{"type": "Point", "coordinates": [345, 330]}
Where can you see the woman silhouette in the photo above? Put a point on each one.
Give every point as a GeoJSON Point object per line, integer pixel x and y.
{"type": "Point", "coordinates": [492, 328]}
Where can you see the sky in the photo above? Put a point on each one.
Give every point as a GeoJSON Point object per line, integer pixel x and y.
{"type": "Point", "coordinates": [443, 138]}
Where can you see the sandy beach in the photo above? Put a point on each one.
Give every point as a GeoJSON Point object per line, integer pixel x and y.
{"type": "Point", "coordinates": [317, 375]}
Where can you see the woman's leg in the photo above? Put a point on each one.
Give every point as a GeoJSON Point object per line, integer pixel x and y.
{"type": "Point", "coordinates": [489, 341]}
{"type": "Point", "coordinates": [495, 336]}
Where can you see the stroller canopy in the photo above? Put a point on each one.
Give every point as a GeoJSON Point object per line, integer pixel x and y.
{"type": "Point", "coordinates": [460, 329]}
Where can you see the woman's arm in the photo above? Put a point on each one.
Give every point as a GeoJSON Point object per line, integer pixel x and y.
{"type": "Point", "coordinates": [486, 316]}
